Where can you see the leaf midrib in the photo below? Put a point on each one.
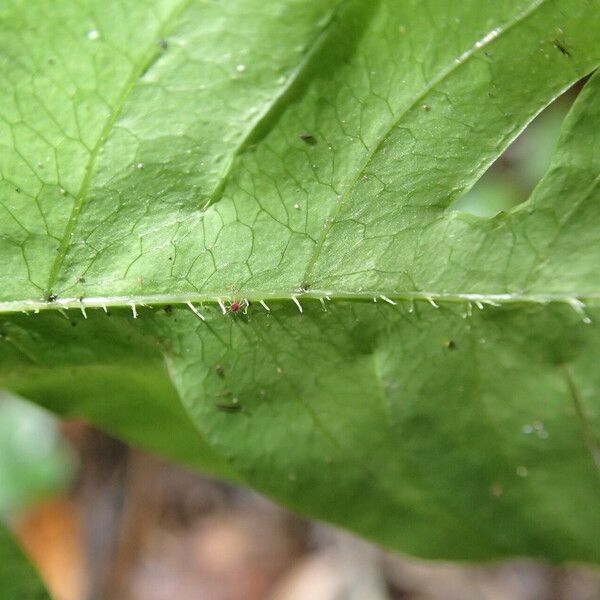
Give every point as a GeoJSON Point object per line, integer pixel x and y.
{"type": "Point", "coordinates": [577, 301]}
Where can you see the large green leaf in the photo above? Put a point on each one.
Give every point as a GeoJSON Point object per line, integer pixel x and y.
{"type": "Point", "coordinates": [199, 153]}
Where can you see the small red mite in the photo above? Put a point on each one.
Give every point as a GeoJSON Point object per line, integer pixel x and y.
{"type": "Point", "coordinates": [234, 306]}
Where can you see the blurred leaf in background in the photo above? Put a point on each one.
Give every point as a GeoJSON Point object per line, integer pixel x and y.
{"type": "Point", "coordinates": [34, 460]}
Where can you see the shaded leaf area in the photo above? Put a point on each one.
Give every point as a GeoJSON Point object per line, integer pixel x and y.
{"type": "Point", "coordinates": [462, 431]}
{"type": "Point", "coordinates": [18, 578]}
{"type": "Point", "coordinates": [104, 372]}
{"type": "Point", "coordinates": [421, 417]}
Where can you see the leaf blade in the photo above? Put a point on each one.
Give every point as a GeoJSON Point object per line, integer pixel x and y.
{"type": "Point", "coordinates": [335, 182]}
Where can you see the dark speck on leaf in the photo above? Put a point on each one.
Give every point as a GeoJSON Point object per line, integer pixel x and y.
{"type": "Point", "coordinates": [168, 309]}
{"type": "Point", "coordinates": [219, 370]}
{"type": "Point", "coordinates": [163, 44]}
{"type": "Point", "coordinates": [308, 138]}
{"type": "Point", "coordinates": [450, 344]}
{"type": "Point", "coordinates": [560, 46]}
{"type": "Point", "coordinates": [81, 280]}
{"type": "Point", "coordinates": [229, 407]}
{"type": "Point", "coordinates": [18, 190]}
{"type": "Point", "coordinates": [73, 324]}
{"type": "Point", "coordinates": [51, 297]}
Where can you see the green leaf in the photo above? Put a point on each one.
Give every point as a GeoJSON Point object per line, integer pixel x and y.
{"type": "Point", "coordinates": [33, 463]}
{"type": "Point", "coordinates": [18, 579]}
{"type": "Point", "coordinates": [106, 374]}
{"type": "Point", "coordinates": [192, 155]}
{"type": "Point", "coordinates": [33, 460]}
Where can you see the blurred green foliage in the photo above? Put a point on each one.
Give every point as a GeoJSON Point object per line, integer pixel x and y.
{"type": "Point", "coordinates": [34, 460]}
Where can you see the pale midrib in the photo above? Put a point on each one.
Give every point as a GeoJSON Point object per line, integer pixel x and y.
{"type": "Point", "coordinates": [130, 84]}
{"type": "Point", "coordinates": [392, 299]}
{"type": "Point", "coordinates": [444, 74]}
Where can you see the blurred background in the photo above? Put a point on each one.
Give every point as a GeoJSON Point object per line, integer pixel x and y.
{"type": "Point", "coordinates": [102, 521]}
